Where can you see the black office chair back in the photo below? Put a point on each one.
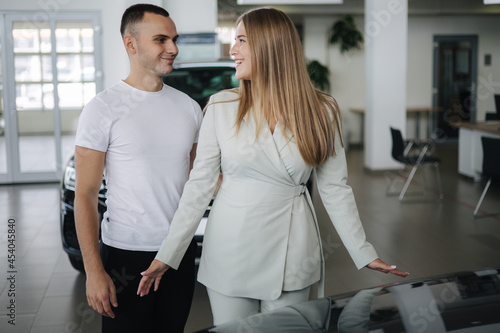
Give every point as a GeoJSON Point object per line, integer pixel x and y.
{"type": "Point", "coordinates": [492, 116]}
{"type": "Point", "coordinates": [398, 145]}
{"type": "Point", "coordinates": [491, 157]}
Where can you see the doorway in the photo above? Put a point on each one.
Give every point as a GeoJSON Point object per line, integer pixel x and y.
{"type": "Point", "coordinates": [455, 82]}
{"type": "Point", "coordinates": [50, 70]}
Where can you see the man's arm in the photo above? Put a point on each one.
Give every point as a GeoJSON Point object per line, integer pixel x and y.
{"type": "Point", "coordinates": [89, 165]}
{"type": "Point", "coordinates": [192, 155]}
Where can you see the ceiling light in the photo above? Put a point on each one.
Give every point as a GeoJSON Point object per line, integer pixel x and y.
{"type": "Point", "coordinates": [491, 2]}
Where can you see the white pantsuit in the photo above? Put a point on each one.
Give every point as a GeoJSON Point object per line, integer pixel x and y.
{"type": "Point", "coordinates": [262, 235]}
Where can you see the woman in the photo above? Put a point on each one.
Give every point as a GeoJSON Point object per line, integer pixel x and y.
{"type": "Point", "coordinates": [262, 246]}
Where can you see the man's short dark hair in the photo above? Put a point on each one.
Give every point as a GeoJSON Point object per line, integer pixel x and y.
{"type": "Point", "coordinates": [135, 13]}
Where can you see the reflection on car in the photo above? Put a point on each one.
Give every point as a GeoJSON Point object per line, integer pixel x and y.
{"type": "Point", "coordinates": [199, 80]}
{"type": "Point", "coordinates": [465, 302]}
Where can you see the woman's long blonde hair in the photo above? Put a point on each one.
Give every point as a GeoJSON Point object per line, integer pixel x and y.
{"type": "Point", "coordinates": [280, 86]}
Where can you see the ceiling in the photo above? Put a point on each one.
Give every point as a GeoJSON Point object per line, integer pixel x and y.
{"type": "Point", "coordinates": [229, 10]}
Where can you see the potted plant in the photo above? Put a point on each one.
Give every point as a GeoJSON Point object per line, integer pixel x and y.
{"type": "Point", "coordinates": [319, 75]}
{"type": "Point", "coordinates": [345, 33]}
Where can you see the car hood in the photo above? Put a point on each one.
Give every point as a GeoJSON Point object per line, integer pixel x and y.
{"type": "Point", "coordinates": [459, 302]}
{"type": "Point", "coordinates": [465, 302]}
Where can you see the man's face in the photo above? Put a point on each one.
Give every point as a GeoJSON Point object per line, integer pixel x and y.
{"type": "Point", "coordinates": [156, 44]}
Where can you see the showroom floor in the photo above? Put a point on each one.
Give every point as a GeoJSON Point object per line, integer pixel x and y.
{"type": "Point", "coordinates": [424, 239]}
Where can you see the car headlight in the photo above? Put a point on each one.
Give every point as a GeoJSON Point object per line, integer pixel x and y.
{"type": "Point", "coordinates": [69, 178]}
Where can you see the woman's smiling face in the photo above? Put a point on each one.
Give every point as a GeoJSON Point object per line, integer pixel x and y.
{"type": "Point", "coordinates": [241, 54]}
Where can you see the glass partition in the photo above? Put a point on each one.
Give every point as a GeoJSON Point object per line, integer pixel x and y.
{"type": "Point", "coordinates": [3, 147]}
{"type": "Point", "coordinates": [49, 74]}
{"type": "Point", "coordinates": [34, 102]}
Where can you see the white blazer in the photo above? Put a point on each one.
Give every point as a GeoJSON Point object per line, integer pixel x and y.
{"type": "Point", "coordinates": [262, 234]}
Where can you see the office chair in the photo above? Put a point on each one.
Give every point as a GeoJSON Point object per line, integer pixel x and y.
{"type": "Point", "coordinates": [492, 116]}
{"type": "Point", "coordinates": [401, 153]}
{"type": "Point", "coordinates": [491, 169]}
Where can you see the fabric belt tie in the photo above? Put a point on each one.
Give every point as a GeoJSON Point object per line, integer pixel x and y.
{"type": "Point", "coordinates": [300, 189]}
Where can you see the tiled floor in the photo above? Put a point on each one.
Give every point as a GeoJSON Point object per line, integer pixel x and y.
{"type": "Point", "coordinates": [423, 238]}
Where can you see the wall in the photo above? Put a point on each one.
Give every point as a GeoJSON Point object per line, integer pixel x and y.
{"type": "Point", "coordinates": [348, 70]}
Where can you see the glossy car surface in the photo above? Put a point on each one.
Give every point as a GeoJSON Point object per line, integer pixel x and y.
{"type": "Point", "coordinates": [199, 80]}
{"type": "Point", "coordinates": [463, 302]}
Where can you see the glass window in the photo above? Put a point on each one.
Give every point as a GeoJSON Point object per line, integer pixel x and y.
{"type": "Point", "coordinates": [88, 92]}
{"type": "Point", "coordinates": [67, 40]}
{"type": "Point", "coordinates": [69, 68]}
{"type": "Point", "coordinates": [28, 96]}
{"type": "Point", "coordinates": [28, 68]}
{"type": "Point", "coordinates": [30, 40]}
{"type": "Point", "coordinates": [87, 40]}
{"type": "Point", "coordinates": [26, 40]}
{"type": "Point", "coordinates": [34, 96]}
{"type": "Point", "coordinates": [47, 68]}
{"type": "Point", "coordinates": [75, 47]}
{"type": "Point", "coordinates": [88, 68]}
{"type": "Point", "coordinates": [53, 61]}
{"type": "Point", "coordinates": [70, 95]}
{"type": "Point", "coordinates": [33, 65]}
{"type": "Point", "coordinates": [3, 150]}
{"type": "Point", "coordinates": [48, 96]}
{"type": "Point", "coordinates": [45, 42]}
{"type": "Point", "coordinates": [74, 37]}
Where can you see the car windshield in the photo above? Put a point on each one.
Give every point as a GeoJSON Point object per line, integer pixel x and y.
{"type": "Point", "coordinates": [202, 82]}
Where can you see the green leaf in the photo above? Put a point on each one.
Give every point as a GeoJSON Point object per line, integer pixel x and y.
{"type": "Point", "coordinates": [319, 75]}
{"type": "Point", "coordinates": [345, 33]}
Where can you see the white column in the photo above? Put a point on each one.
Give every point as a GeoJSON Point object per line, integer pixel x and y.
{"type": "Point", "coordinates": [193, 16]}
{"type": "Point", "coordinates": [386, 36]}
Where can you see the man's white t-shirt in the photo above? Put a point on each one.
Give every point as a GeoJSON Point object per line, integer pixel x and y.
{"type": "Point", "coordinates": [147, 137]}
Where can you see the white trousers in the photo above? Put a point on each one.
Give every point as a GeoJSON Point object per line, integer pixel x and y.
{"type": "Point", "coordinates": [227, 308]}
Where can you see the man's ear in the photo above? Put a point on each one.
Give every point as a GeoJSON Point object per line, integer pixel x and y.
{"type": "Point", "coordinates": [130, 44]}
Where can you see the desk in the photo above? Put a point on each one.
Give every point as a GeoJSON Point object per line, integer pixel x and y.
{"type": "Point", "coordinates": [417, 110]}
{"type": "Point", "coordinates": [470, 149]}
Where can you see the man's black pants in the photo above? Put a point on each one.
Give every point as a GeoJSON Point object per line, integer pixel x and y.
{"type": "Point", "coordinates": [165, 310]}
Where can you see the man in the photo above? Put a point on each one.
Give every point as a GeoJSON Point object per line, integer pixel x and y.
{"type": "Point", "coordinates": [143, 135]}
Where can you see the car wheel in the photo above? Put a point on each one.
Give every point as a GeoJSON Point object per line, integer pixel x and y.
{"type": "Point", "coordinates": [77, 263]}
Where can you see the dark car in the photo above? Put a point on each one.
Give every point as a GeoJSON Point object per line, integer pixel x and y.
{"type": "Point", "coordinates": [465, 302]}
{"type": "Point", "coordinates": [199, 80]}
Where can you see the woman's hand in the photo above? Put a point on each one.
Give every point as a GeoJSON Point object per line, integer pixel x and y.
{"type": "Point", "coordinates": [153, 274]}
{"type": "Point", "coordinates": [379, 265]}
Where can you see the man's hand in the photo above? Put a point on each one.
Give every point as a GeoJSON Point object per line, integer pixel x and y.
{"type": "Point", "coordinates": [379, 265]}
{"type": "Point", "coordinates": [101, 293]}
{"type": "Point", "coordinates": [153, 274]}
{"type": "Point", "coordinates": [89, 165]}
